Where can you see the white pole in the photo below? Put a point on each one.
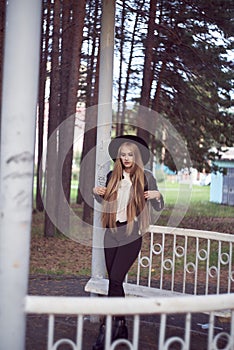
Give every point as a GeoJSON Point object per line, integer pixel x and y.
{"type": "Point", "coordinates": [19, 100]}
{"type": "Point", "coordinates": [104, 122]}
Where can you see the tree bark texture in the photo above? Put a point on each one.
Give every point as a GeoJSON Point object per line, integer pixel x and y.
{"type": "Point", "coordinates": [148, 73]}
{"type": "Point", "coordinates": [66, 135]}
{"type": "Point", "coordinates": [45, 18]}
{"type": "Point", "coordinates": [52, 147]}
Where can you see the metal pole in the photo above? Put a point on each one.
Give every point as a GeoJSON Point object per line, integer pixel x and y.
{"type": "Point", "coordinates": [19, 102]}
{"type": "Point", "coordinates": [104, 122]}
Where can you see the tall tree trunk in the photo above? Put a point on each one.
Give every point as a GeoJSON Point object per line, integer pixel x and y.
{"type": "Point", "coordinates": [67, 43]}
{"type": "Point", "coordinates": [89, 141]}
{"type": "Point", "coordinates": [119, 117]}
{"type": "Point", "coordinates": [148, 72]}
{"type": "Point", "coordinates": [129, 66]}
{"type": "Point", "coordinates": [163, 56]}
{"type": "Point", "coordinates": [51, 175]}
{"type": "Point", "coordinates": [45, 19]}
{"type": "Point", "coordinates": [66, 135]}
{"type": "Point", "coordinates": [89, 151]}
{"type": "Point", "coordinates": [156, 99]}
{"type": "Point", "coordinates": [66, 50]}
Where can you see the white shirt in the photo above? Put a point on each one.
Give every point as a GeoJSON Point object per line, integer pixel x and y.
{"type": "Point", "coordinates": [123, 197]}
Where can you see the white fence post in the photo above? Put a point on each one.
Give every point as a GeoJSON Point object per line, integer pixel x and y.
{"type": "Point", "coordinates": [19, 100]}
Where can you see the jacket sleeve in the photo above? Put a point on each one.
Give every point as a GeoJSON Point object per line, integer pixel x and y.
{"type": "Point", "coordinates": [151, 185]}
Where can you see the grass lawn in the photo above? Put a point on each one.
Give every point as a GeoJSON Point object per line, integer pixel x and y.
{"type": "Point", "coordinates": [195, 198]}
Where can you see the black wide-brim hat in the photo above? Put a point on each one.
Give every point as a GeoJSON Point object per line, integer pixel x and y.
{"type": "Point", "coordinates": [119, 140]}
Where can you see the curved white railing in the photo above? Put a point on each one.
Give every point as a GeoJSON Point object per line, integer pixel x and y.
{"type": "Point", "coordinates": [186, 261]}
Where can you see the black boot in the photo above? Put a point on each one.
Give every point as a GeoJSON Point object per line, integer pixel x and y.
{"type": "Point", "coordinates": [119, 329]}
{"type": "Point", "coordinates": [100, 342]}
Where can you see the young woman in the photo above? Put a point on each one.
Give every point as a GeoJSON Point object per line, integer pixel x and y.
{"type": "Point", "coordinates": [125, 198]}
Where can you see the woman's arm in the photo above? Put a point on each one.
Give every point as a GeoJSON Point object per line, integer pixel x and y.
{"type": "Point", "coordinates": [99, 191]}
{"type": "Point", "coordinates": [152, 193]}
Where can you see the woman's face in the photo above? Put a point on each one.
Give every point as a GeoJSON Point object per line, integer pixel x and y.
{"type": "Point", "coordinates": [127, 157]}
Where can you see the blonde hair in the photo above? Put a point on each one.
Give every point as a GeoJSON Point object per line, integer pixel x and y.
{"type": "Point", "coordinates": [137, 205]}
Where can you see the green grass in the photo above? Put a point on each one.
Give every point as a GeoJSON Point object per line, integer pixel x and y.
{"type": "Point", "coordinates": [195, 199]}
{"type": "Point", "coordinates": [176, 193]}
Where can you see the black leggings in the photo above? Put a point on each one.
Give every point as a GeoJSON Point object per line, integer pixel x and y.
{"type": "Point", "coordinates": [120, 254]}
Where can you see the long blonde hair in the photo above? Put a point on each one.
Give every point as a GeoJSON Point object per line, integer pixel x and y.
{"type": "Point", "coordinates": [137, 205]}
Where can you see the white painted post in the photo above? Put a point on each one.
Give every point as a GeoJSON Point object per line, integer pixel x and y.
{"type": "Point", "coordinates": [104, 122]}
{"type": "Point", "coordinates": [19, 101]}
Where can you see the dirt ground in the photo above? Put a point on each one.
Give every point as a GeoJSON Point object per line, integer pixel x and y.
{"type": "Point", "coordinates": [60, 255]}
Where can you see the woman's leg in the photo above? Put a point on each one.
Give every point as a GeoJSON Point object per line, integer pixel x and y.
{"type": "Point", "coordinates": [119, 259]}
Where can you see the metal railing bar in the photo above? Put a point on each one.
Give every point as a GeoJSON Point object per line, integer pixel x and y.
{"type": "Point", "coordinates": [108, 331]}
{"type": "Point", "coordinates": [162, 260]}
{"type": "Point", "coordinates": [218, 267]}
{"type": "Point", "coordinates": [136, 327]}
{"type": "Point", "coordinates": [187, 330]}
{"type": "Point", "coordinates": [173, 263]}
{"type": "Point", "coordinates": [196, 266]}
{"type": "Point", "coordinates": [207, 267]}
{"type": "Point", "coordinates": [185, 263]}
{"type": "Point", "coordinates": [232, 328]}
{"type": "Point", "coordinates": [151, 259]}
{"type": "Point", "coordinates": [226, 237]}
{"type": "Point", "coordinates": [79, 335]}
{"type": "Point", "coordinates": [211, 330]}
{"type": "Point", "coordinates": [128, 306]}
{"type": "Point", "coordinates": [230, 267]}
{"type": "Point", "coordinates": [162, 331]}
{"type": "Point", "coordinates": [50, 332]}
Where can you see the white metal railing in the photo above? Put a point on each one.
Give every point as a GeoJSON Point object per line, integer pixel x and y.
{"type": "Point", "coordinates": [136, 307]}
{"type": "Point", "coordinates": [186, 261]}
{"type": "Point", "coordinates": [198, 264]}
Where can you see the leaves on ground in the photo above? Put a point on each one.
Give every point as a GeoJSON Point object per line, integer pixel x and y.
{"type": "Point", "coordinates": [63, 256]}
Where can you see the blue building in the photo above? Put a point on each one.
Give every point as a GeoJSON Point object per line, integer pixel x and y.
{"type": "Point", "coordinates": [222, 184]}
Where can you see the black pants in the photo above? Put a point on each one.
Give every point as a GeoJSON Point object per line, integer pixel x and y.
{"type": "Point", "coordinates": [120, 253]}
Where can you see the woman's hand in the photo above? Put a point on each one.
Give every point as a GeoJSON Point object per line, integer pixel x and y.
{"type": "Point", "coordinates": [99, 190]}
{"type": "Point", "coordinates": [152, 195]}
